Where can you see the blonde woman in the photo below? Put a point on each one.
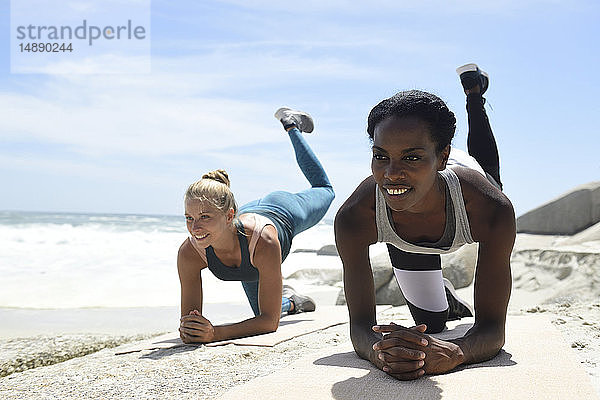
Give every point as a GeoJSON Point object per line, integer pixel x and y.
{"type": "Point", "coordinates": [249, 244]}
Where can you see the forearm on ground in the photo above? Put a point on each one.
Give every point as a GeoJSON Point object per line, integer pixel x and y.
{"type": "Point", "coordinates": [482, 342]}
{"type": "Point", "coordinates": [250, 327]}
{"type": "Point", "coordinates": [363, 339]}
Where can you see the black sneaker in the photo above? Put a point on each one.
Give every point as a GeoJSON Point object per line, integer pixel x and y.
{"type": "Point", "coordinates": [457, 308]}
{"type": "Point", "coordinates": [302, 120]}
{"type": "Point", "coordinates": [301, 303]}
{"type": "Point", "coordinates": [471, 76]}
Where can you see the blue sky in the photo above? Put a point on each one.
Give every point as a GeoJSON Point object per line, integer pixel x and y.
{"type": "Point", "coordinates": [131, 143]}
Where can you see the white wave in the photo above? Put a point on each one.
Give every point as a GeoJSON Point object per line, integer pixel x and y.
{"type": "Point", "coordinates": [107, 263]}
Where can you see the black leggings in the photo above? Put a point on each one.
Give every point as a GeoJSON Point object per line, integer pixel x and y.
{"type": "Point", "coordinates": [480, 140]}
{"type": "Point", "coordinates": [420, 264]}
{"type": "Point", "coordinates": [482, 146]}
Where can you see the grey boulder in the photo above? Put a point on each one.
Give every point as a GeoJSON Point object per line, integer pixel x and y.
{"type": "Point", "coordinates": [568, 214]}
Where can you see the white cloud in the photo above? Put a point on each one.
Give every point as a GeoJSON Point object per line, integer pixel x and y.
{"type": "Point", "coordinates": [171, 111]}
{"type": "Point", "coordinates": [133, 123]}
{"type": "Point", "coordinates": [91, 169]}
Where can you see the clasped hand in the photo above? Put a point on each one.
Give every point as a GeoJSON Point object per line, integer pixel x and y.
{"type": "Point", "coordinates": [408, 353]}
{"type": "Point", "coordinates": [194, 328]}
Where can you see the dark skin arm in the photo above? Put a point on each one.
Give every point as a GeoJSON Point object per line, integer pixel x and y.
{"type": "Point", "coordinates": [197, 329]}
{"type": "Point", "coordinates": [355, 230]}
{"type": "Point", "coordinates": [493, 225]}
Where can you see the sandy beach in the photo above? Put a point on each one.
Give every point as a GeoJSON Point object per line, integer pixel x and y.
{"type": "Point", "coordinates": [551, 276]}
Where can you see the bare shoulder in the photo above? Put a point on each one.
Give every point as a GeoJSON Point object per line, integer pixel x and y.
{"type": "Point", "coordinates": [490, 212]}
{"type": "Point", "coordinates": [188, 252]}
{"type": "Point", "coordinates": [267, 235]}
{"type": "Point", "coordinates": [188, 257]}
{"type": "Point", "coordinates": [356, 217]}
{"type": "Point", "coordinates": [268, 248]}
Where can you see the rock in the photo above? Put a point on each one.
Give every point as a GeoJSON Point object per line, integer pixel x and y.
{"type": "Point", "coordinates": [318, 276]}
{"type": "Point", "coordinates": [459, 267]}
{"type": "Point", "coordinates": [556, 276]}
{"type": "Point", "coordinates": [304, 251]}
{"type": "Point", "coordinates": [20, 354]}
{"type": "Point", "coordinates": [328, 250]}
{"type": "Point", "coordinates": [568, 214]}
{"type": "Point", "coordinates": [381, 266]}
{"type": "Point", "coordinates": [341, 299]}
{"type": "Point", "coordinates": [591, 234]}
{"type": "Point", "coordinates": [390, 293]}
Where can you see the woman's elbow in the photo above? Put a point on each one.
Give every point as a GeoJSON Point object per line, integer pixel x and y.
{"type": "Point", "coordinates": [271, 324]}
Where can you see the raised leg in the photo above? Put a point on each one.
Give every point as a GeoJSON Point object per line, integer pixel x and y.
{"type": "Point", "coordinates": [481, 143]}
{"type": "Point", "coordinates": [307, 160]}
{"type": "Point", "coordinates": [304, 209]}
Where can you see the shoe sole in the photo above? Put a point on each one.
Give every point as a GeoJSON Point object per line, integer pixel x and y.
{"type": "Point", "coordinates": [307, 119]}
{"type": "Point", "coordinates": [467, 68]}
{"type": "Point", "coordinates": [279, 113]}
{"type": "Point", "coordinates": [471, 68]}
{"type": "Point", "coordinates": [450, 288]}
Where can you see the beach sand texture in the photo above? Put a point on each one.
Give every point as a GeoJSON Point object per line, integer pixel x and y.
{"type": "Point", "coordinates": [547, 361]}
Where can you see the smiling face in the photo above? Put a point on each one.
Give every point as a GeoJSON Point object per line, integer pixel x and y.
{"type": "Point", "coordinates": [405, 164]}
{"type": "Point", "coordinates": [205, 222]}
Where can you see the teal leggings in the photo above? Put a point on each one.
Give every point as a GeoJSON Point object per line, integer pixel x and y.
{"type": "Point", "coordinates": [292, 213]}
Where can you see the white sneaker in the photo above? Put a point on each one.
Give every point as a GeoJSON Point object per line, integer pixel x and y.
{"type": "Point", "coordinates": [301, 303]}
{"type": "Point", "coordinates": [301, 119]}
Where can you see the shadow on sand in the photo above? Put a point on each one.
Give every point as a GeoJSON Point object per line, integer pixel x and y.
{"type": "Point", "coordinates": [376, 384]}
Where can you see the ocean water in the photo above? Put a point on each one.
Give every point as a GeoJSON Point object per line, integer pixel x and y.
{"type": "Point", "coordinates": [63, 261]}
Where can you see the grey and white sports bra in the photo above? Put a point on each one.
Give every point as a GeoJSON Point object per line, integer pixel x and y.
{"type": "Point", "coordinates": [462, 232]}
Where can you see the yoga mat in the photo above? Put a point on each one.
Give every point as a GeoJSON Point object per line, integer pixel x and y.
{"type": "Point", "coordinates": [290, 326]}
{"type": "Point", "coordinates": [535, 363]}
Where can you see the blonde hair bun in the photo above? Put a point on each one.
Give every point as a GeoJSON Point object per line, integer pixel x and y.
{"type": "Point", "coordinates": [213, 187]}
{"type": "Point", "coordinates": [219, 175]}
